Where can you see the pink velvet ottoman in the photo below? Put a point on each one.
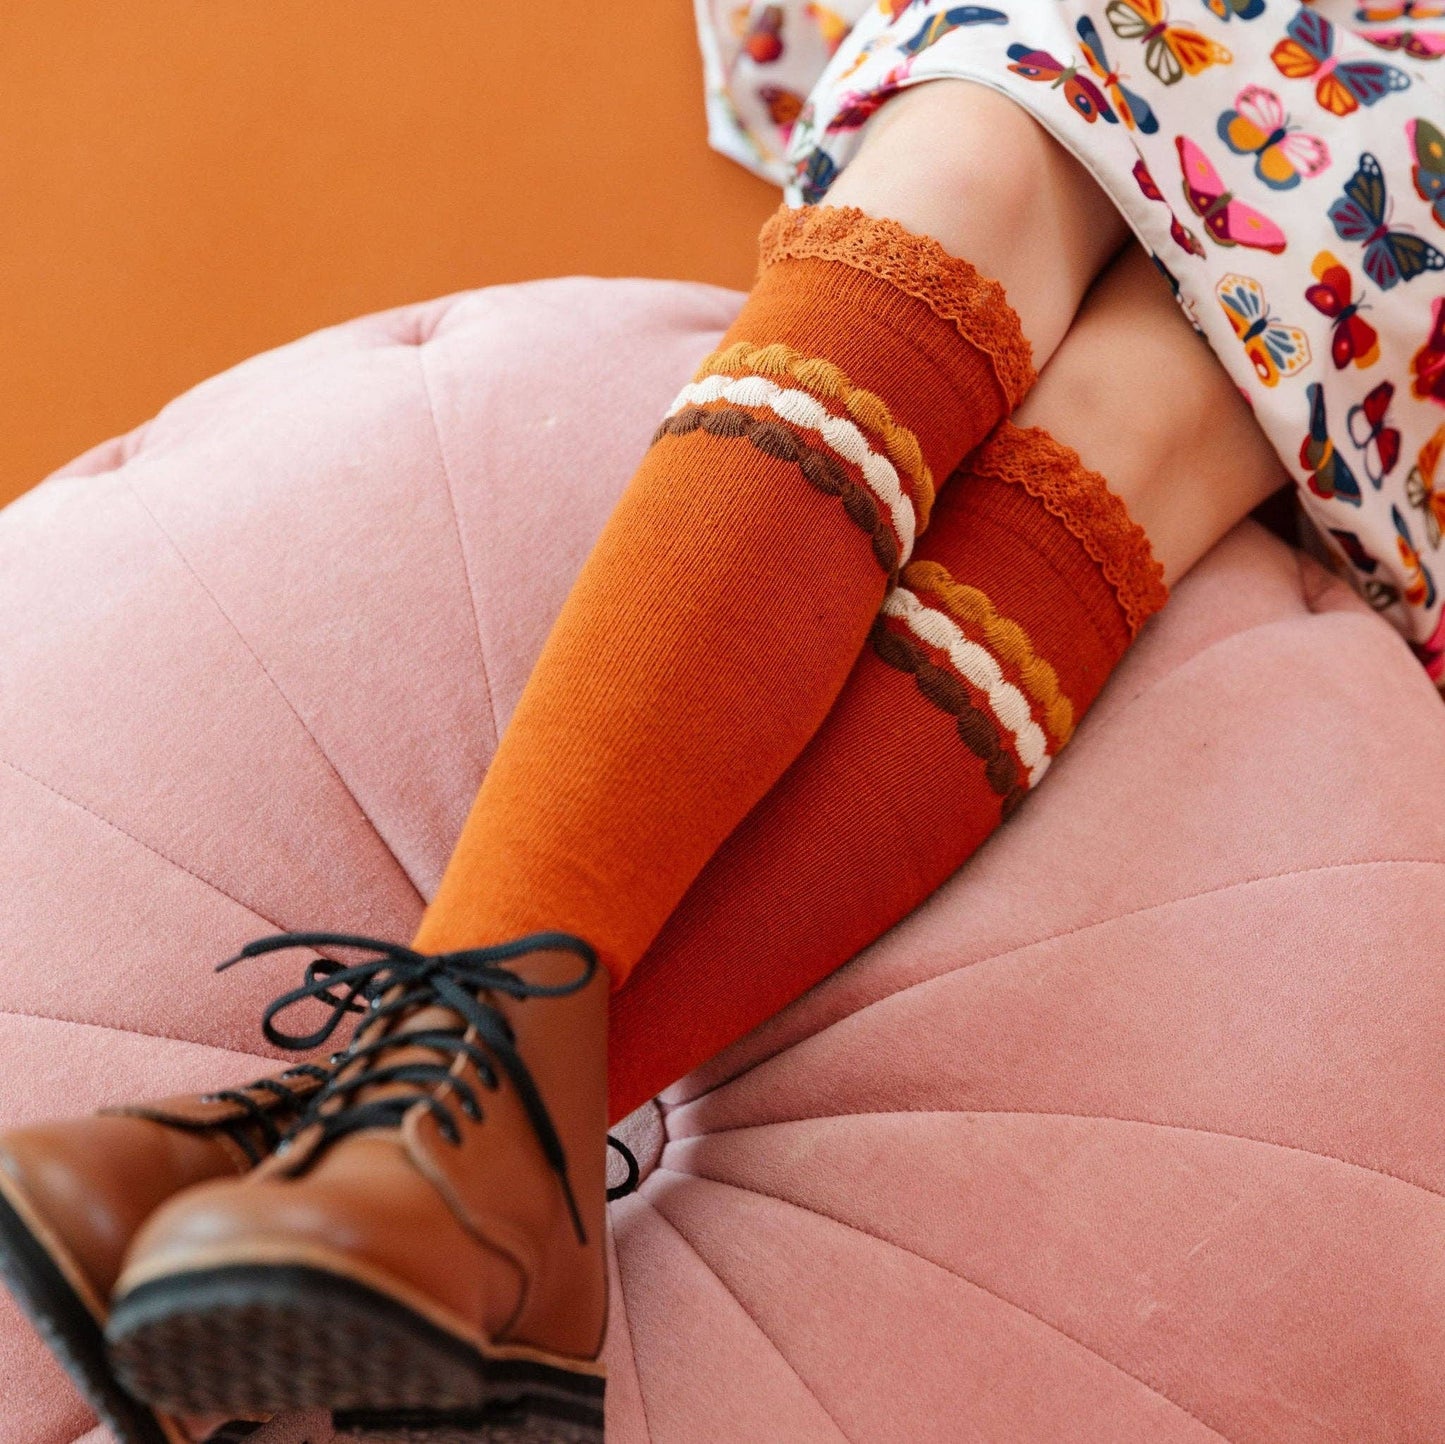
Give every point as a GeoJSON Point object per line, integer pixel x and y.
{"type": "Point", "coordinates": [1134, 1132]}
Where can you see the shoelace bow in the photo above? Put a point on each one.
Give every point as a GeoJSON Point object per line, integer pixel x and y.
{"type": "Point", "coordinates": [396, 981]}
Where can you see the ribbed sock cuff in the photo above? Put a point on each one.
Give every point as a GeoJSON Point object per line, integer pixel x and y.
{"type": "Point", "coordinates": [918, 266]}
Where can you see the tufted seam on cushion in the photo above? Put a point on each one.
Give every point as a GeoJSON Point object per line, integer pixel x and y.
{"type": "Point", "coordinates": [743, 1308]}
{"type": "Point", "coordinates": [164, 857]}
{"type": "Point", "coordinates": [1085, 1118]}
{"type": "Point", "coordinates": [617, 1302]}
{"type": "Point", "coordinates": [461, 546]}
{"type": "Point", "coordinates": [1054, 1328]}
{"type": "Point", "coordinates": [1074, 931]}
{"type": "Point", "coordinates": [279, 690]}
{"type": "Point", "coordinates": [1221, 643]}
{"type": "Point", "coordinates": [133, 1032]}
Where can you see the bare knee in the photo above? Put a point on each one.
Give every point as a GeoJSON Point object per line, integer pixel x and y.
{"type": "Point", "coordinates": [971, 168]}
{"type": "Point", "coordinates": [1143, 399]}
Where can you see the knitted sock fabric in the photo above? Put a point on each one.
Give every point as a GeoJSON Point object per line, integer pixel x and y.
{"type": "Point", "coordinates": [1023, 597]}
{"type": "Point", "coordinates": [733, 588]}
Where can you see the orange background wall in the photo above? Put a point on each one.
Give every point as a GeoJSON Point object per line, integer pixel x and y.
{"type": "Point", "coordinates": [186, 182]}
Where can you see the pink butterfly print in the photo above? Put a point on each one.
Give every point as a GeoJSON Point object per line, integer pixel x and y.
{"type": "Point", "coordinates": [1230, 221]}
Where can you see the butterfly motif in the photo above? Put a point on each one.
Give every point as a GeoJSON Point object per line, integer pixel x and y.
{"type": "Point", "coordinates": [1428, 173]}
{"type": "Point", "coordinates": [1355, 553]}
{"type": "Point", "coordinates": [1183, 236]}
{"type": "Point", "coordinates": [764, 38]}
{"type": "Point", "coordinates": [1427, 365]}
{"type": "Point", "coordinates": [1231, 222]}
{"type": "Point", "coordinates": [855, 107]}
{"type": "Point", "coordinates": [1419, 584]}
{"type": "Point", "coordinates": [1425, 487]}
{"type": "Point", "coordinates": [1341, 86]}
{"type": "Point", "coordinates": [1401, 10]}
{"type": "Point", "coordinates": [1361, 215]}
{"type": "Point", "coordinates": [1352, 338]}
{"type": "Point", "coordinates": [1081, 92]}
{"type": "Point", "coordinates": [1135, 111]}
{"type": "Point", "coordinates": [830, 25]}
{"type": "Point", "coordinates": [1432, 652]}
{"type": "Point", "coordinates": [1274, 349]}
{"type": "Point", "coordinates": [1380, 594]}
{"type": "Point", "coordinates": [784, 106]}
{"type": "Point", "coordinates": [1377, 442]}
{"type": "Point", "coordinates": [1417, 44]}
{"type": "Point", "coordinates": [937, 26]}
{"type": "Point", "coordinates": [815, 176]}
{"type": "Point", "coordinates": [1330, 475]}
{"type": "Point", "coordinates": [1170, 51]}
{"type": "Point", "coordinates": [1245, 9]}
{"type": "Point", "coordinates": [1259, 126]}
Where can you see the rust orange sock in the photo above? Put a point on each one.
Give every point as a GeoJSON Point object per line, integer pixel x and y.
{"type": "Point", "coordinates": [1023, 597]}
{"type": "Point", "coordinates": [734, 586]}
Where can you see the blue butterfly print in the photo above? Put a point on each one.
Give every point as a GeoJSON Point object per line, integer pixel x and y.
{"type": "Point", "coordinates": [1361, 215]}
{"type": "Point", "coordinates": [1245, 9]}
{"type": "Point", "coordinates": [1341, 86]}
{"type": "Point", "coordinates": [1131, 105]}
{"type": "Point", "coordinates": [1330, 475]}
{"type": "Point", "coordinates": [815, 177]}
{"type": "Point", "coordinates": [937, 26]}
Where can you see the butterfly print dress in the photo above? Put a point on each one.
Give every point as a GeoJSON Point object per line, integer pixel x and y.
{"type": "Point", "coordinates": [1283, 163]}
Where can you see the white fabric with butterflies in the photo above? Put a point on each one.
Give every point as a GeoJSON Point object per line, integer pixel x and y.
{"type": "Point", "coordinates": [1283, 163]}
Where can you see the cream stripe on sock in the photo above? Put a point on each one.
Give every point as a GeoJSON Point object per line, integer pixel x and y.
{"type": "Point", "coordinates": [842, 435]}
{"type": "Point", "coordinates": [978, 665]}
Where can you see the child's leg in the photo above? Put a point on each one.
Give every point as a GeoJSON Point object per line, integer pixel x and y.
{"type": "Point", "coordinates": [729, 595]}
{"type": "Point", "coordinates": [447, 1202]}
{"type": "Point", "coordinates": [1030, 565]}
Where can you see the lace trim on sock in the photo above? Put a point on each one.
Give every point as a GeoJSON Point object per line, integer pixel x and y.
{"type": "Point", "coordinates": [1005, 637]}
{"type": "Point", "coordinates": [820, 468]}
{"type": "Point", "coordinates": [950, 287]}
{"type": "Point", "coordinates": [828, 383]}
{"type": "Point", "coordinates": [1057, 479]}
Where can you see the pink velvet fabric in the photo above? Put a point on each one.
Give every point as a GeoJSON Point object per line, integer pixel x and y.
{"type": "Point", "coordinates": [1134, 1132]}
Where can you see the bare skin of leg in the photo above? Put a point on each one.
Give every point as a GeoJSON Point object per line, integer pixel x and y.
{"type": "Point", "coordinates": [1143, 400]}
{"type": "Point", "coordinates": [971, 168]}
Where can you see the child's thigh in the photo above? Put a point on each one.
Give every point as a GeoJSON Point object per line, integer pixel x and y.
{"type": "Point", "coordinates": [971, 168]}
{"type": "Point", "coordinates": [1144, 400]}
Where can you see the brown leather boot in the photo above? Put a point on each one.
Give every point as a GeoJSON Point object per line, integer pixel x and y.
{"type": "Point", "coordinates": [426, 1253]}
{"type": "Point", "coordinates": [73, 1194]}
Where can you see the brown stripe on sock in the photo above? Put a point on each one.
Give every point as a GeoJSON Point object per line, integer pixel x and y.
{"type": "Point", "coordinates": [820, 467]}
{"type": "Point", "coordinates": [977, 727]}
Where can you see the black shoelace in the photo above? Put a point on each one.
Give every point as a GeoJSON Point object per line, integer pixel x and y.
{"type": "Point", "coordinates": [397, 981]}
{"type": "Point", "coordinates": [261, 1116]}
{"type": "Point", "coordinates": [634, 1173]}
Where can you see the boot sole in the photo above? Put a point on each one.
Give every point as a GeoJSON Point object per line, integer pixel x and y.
{"type": "Point", "coordinates": [251, 1339]}
{"type": "Point", "coordinates": [70, 1330]}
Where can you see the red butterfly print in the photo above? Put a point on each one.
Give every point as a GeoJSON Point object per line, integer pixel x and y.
{"type": "Point", "coordinates": [1427, 365]}
{"type": "Point", "coordinates": [1353, 338]}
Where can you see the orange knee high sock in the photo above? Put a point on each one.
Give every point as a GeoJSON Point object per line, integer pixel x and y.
{"type": "Point", "coordinates": [1023, 597]}
{"type": "Point", "coordinates": [733, 588]}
